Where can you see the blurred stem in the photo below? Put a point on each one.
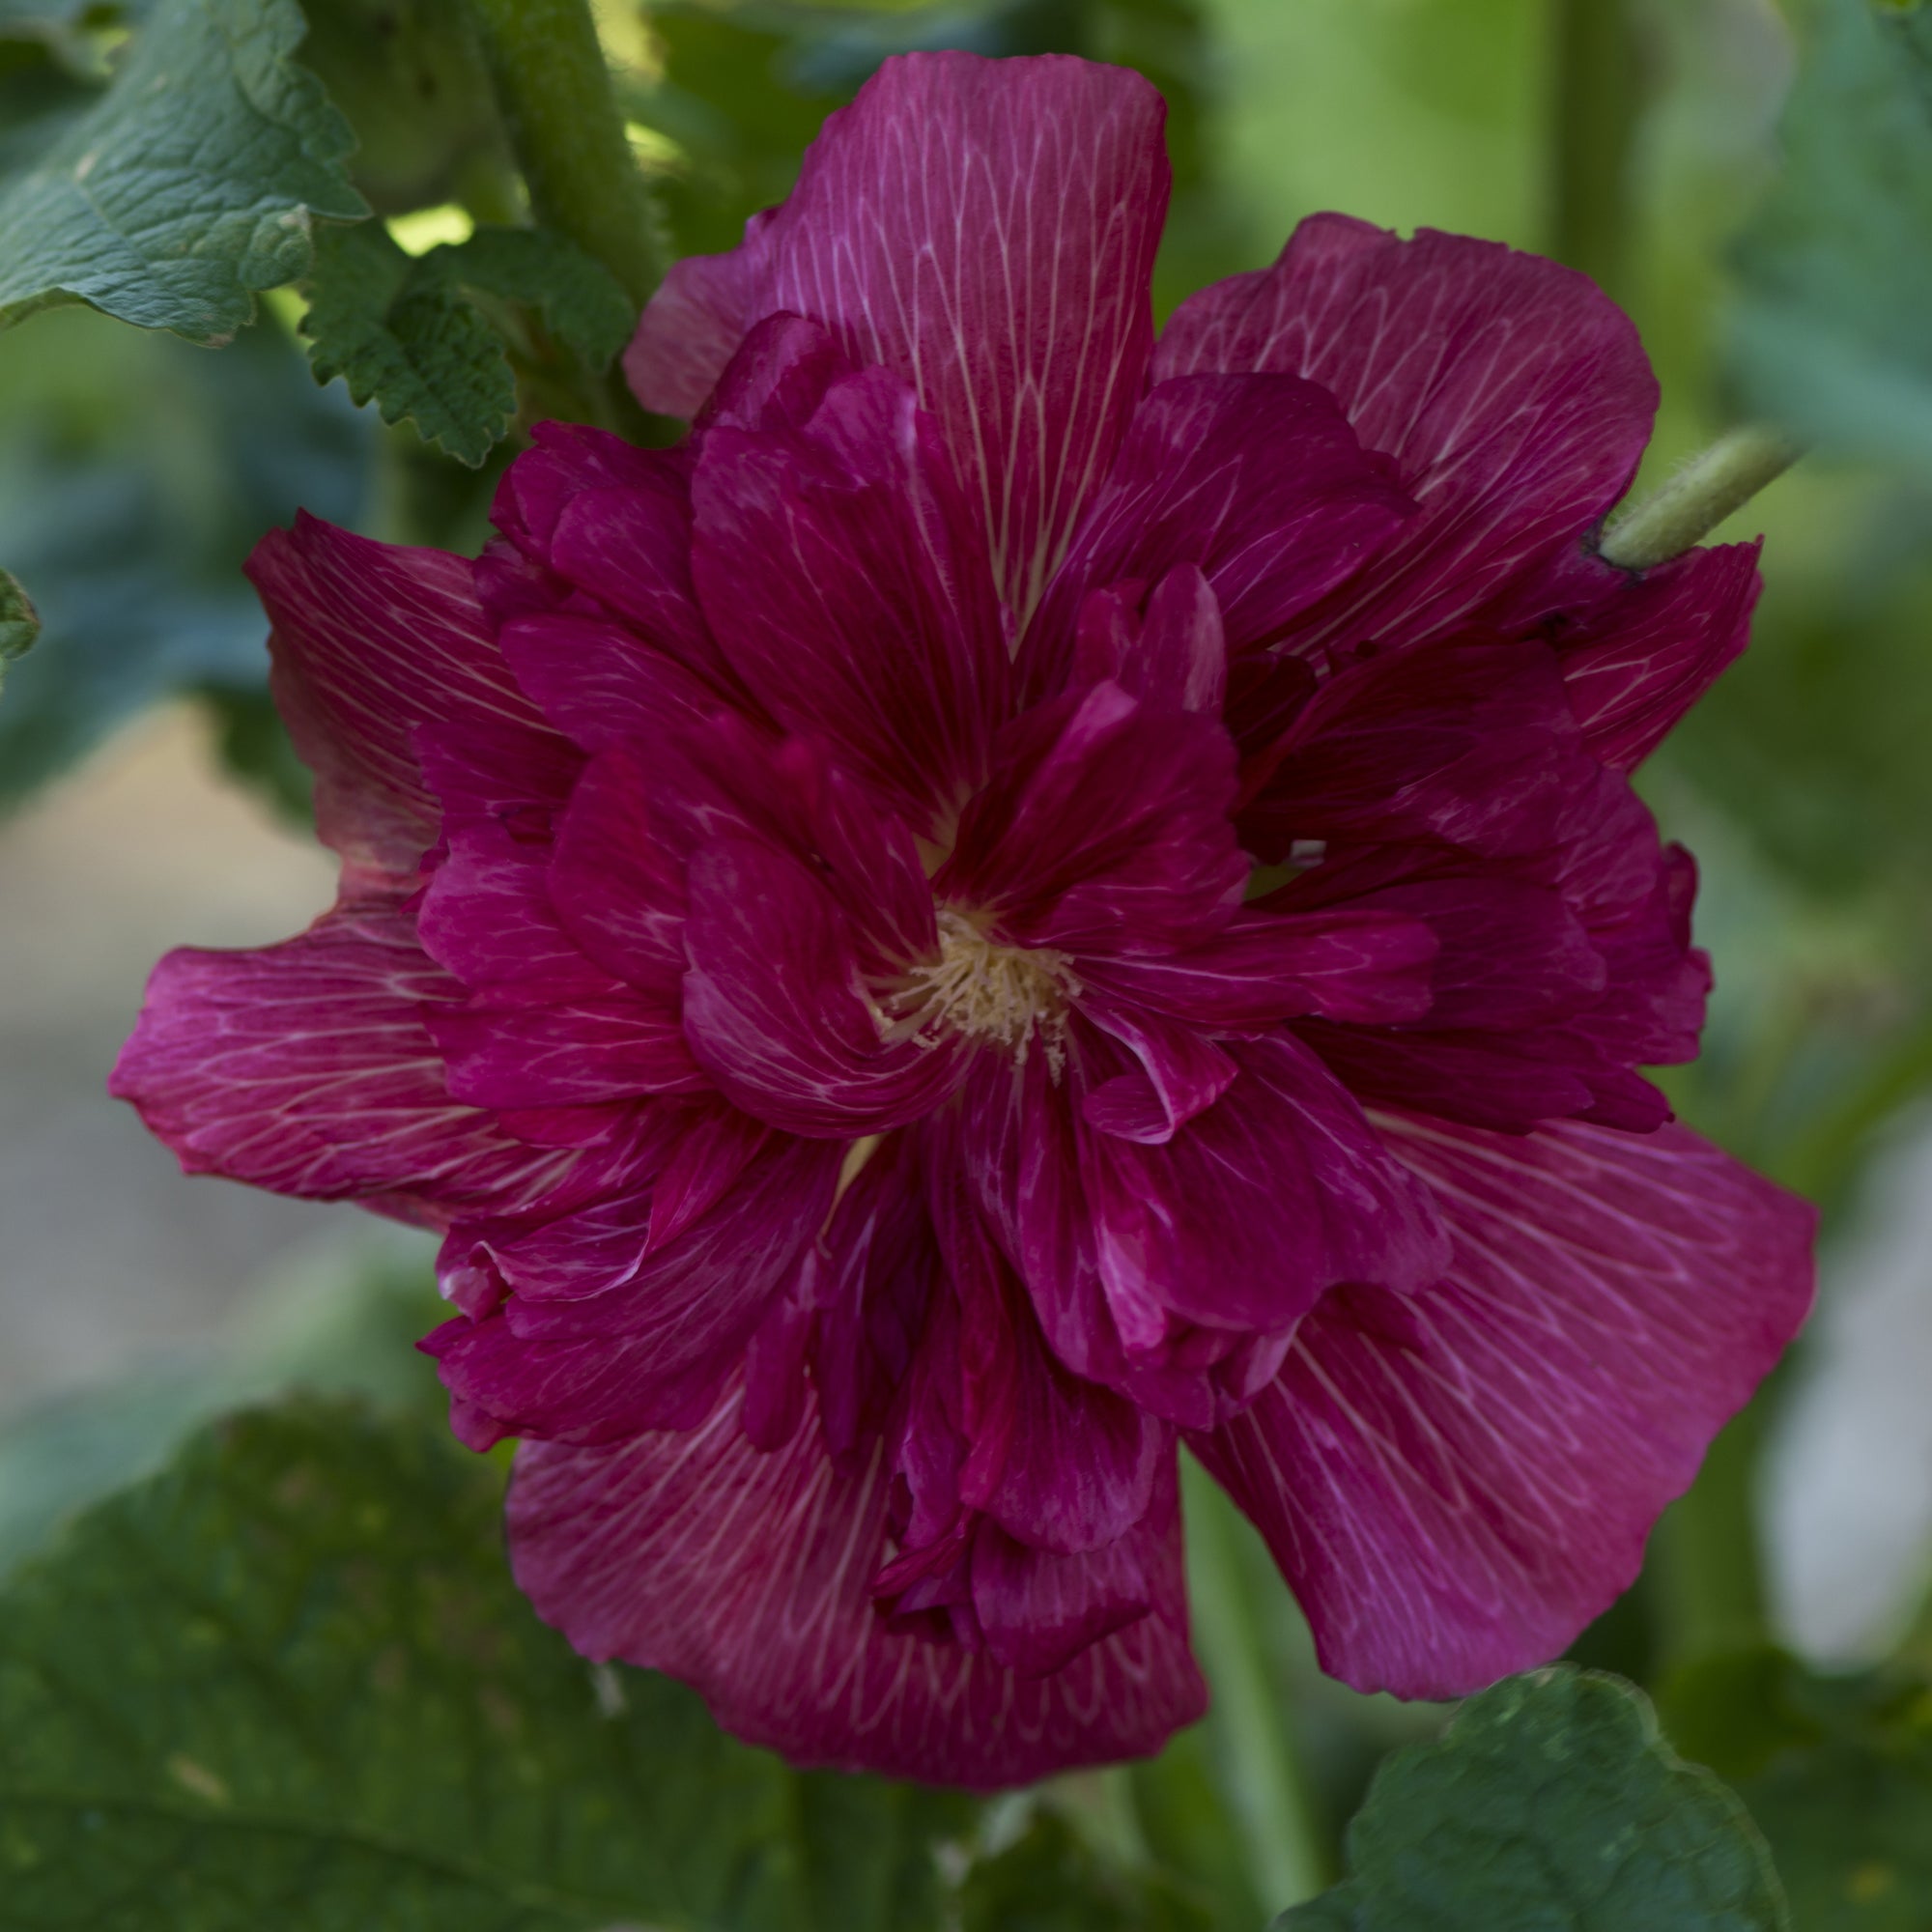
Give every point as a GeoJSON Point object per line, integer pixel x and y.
{"type": "Point", "coordinates": [555, 92]}
{"type": "Point", "coordinates": [1594, 100]}
{"type": "Point", "coordinates": [1694, 502]}
{"type": "Point", "coordinates": [1819, 1161]}
{"type": "Point", "coordinates": [1710, 1571]}
{"type": "Point", "coordinates": [1268, 1797]}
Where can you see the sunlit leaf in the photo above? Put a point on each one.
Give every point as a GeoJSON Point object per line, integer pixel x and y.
{"type": "Point", "coordinates": [190, 185]}
{"type": "Point", "coordinates": [406, 337]}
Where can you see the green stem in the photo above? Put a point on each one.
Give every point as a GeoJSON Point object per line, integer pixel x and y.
{"type": "Point", "coordinates": [1594, 100]}
{"type": "Point", "coordinates": [1694, 503]}
{"type": "Point", "coordinates": [1710, 1570]}
{"type": "Point", "coordinates": [1266, 1793]}
{"type": "Point", "coordinates": [555, 92]}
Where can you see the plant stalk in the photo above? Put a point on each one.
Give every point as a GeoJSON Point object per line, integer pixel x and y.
{"type": "Point", "coordinates": [1266, 1793]}
{"type": "Point", "coordinates": [1710, 1571]}
{"type": "Point", "coordinates": [568, 134]}
{"type": "Point", "coordinates": [1694, 502]}
{"type": "Point", "coordinates": [1595, 99]}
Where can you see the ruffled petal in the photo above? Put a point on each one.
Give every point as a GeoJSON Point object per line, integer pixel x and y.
{"type": "Point", "coordinates": [776, 1007]}
{"type": "Point", "coordinates": [1246, 1217]}
{"type": "Point", "coordinates": [1513, 394]}
{"type": "Point", "coordinates": [1105, 828]}
{"type": "Point", "coordinates": [371, 641]}
{"type": "Point", "coordinates": [606, 1333]}
{"type": "Point", "coordinates": [1058, 1463]}
{"type": "Point", "coordinates": [871, 619]}
{"type": "Point", "coordinates": [1174, 654]}
{"type": "Point", "coordinates": [613, 884]}
{"type": "Point", "coordinates": [987, 231]}
{"type": "Point", "coordinates": [1456, 1482]}
{"type": "Point", "coordinates": [749, 1576]}
{"type": "Point", "coordinates": [1258, 480]}
{"type": "Point", "coordinates": [1038, 1609]}
{"type": "Point", "coordinates": [307, 1068]}
{"type": "Point", "coordinates": [508, 1053]}
{"type": "Point", "coordinates": [1363, 965]}
{"type": "Point", "coordinates": [1636, 654]}
{"type": "Point", "coordinates": [1182, 1072]}
{"type": "Point", "coordinates": [608, 527]}
{"type": "Point", "coordinates": [601, 684]}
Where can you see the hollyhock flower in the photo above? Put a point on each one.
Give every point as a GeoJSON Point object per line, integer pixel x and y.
{"type": "Point", "coordinates": [1026, 897]}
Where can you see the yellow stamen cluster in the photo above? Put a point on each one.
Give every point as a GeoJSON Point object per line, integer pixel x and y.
{"type": "Point", "coordinates": [1005, 995]}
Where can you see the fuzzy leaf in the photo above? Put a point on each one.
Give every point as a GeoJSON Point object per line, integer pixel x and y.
{"type": "Point", "coordinates": [1550, 1800]}
{"type": "Point", "coordinates": [1832, 333]}
{"type": "Point", "coordinates": [189, 183]}
{"type": "Point", "coordinates": [288, 1683]}
{"type": "Point", "coordinates": [400, 332]}
{"type": "Point", "coordinates": [583, 303]}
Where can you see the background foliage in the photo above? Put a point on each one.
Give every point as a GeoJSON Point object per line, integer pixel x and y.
{"type": "Point", "coordinates": [285, 1680]}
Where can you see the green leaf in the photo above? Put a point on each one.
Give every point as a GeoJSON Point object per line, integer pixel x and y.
{"type": "Point", "coordinates": [190, 185]}
{"type": "Point", "coordinates": [401, 334]}
{"type": "Point", "coordinates": [288, 1683]}
{"type": "Point", "coordinates": [1838, 1772]}
{"type": "Point", "coordinates": [1832, 332]}
{"type": "Point", "coordinates": [20, 621]}
{"type": "Point", "coordinates": [584, 305]}
{"type": "Point", "coordinates": [1550, 1800]}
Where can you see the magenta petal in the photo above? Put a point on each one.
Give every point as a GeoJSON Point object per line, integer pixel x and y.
{"type": "Point", "coordinates": [1512, 393]}
{"type": "Point", "coordinates": [749, 1576]}
{"type": "Point", "coordinates": [1182, 1072]}
{"type": "Point", "coordinates": [1039, 1609]}
{"type": "Point", "coordinates": [1643, 653]}
{"type": "Point", "coordinates": [1058, 1462]}
{"type": "Point", "coordinates": [604, 1335]}
{"type": "Point", "coordinates": [778, 378]}
{"type": "Point", "coordinates": [871, 620]}
{"type": "Point", "coordinates": [488, 918]}
{"type": "Point", "coordinates": [987, 230]}
{"type": "Point", "coordinates": [1174, 655]}
{"type": "Point", "coordinates": [1368, 966]}
{"type": "Point", "coordinates": [573, 1053]}
{"type": "Point", "coordinates": [371, 641]}
{"type": "Point", "coordinates": [692, 327]}
{"type": "Point", "coordinates": [775, 1011]}
{"type": "Point", "coordinates": [603, 686]}
{"type": "Point", "coordinates": [1456, 1482]}
{"type": "Point", "coordinates": [1105, 828]}
{"type": "Point", "coordinates": [1469, 743]}
{"type": "Point", "coordinates": [1258, 1206]}
{"type": "Point", "coordinates": [306, 1068]}
{"type": "Point", "coordinates": [615, 885]}
{"type": "Point", "coordinates": [1257, 480]}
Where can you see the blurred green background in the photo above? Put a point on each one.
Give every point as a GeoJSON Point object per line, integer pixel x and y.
{"type": "Point", "coordinates": [151, 798]}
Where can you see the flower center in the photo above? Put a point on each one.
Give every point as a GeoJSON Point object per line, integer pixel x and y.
{"type": "Point", "coordinates": [1005, 995]}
